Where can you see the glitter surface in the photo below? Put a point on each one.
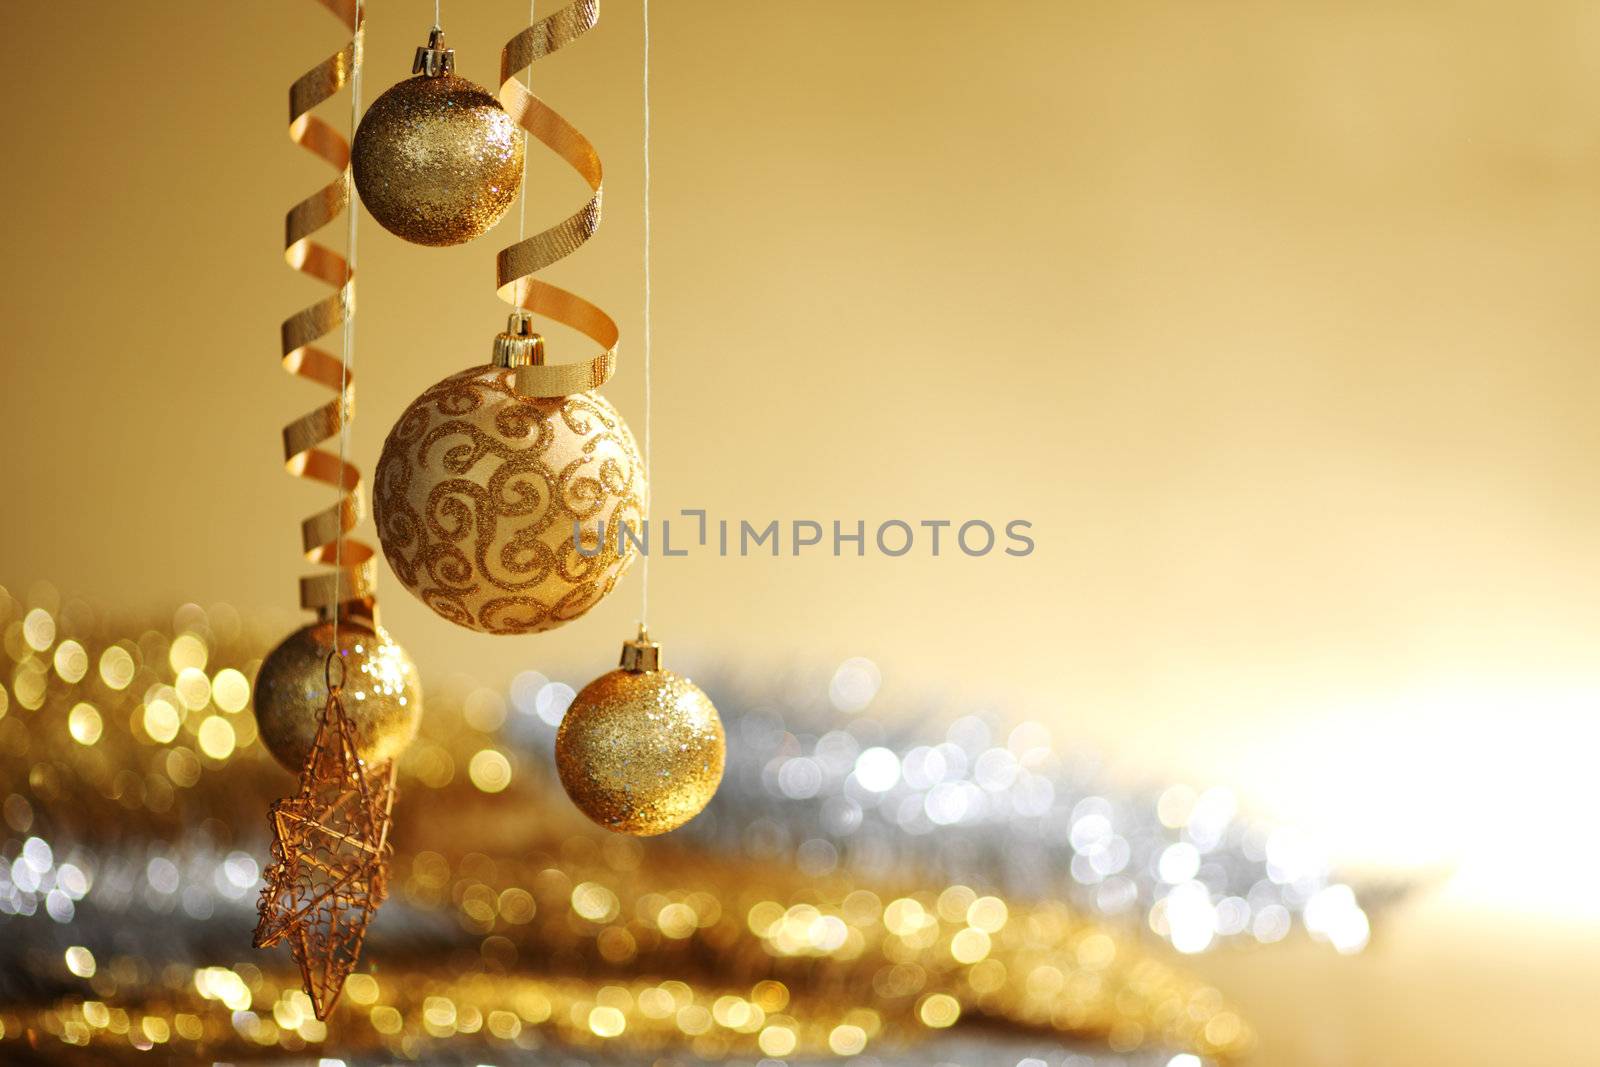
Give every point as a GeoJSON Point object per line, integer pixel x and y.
{"type": "Point", "coordinates": [641, 752]}
{"type": "Point", "coordinates": [382, 696]}
{"type": "Point", "coordinates": [437, 161]}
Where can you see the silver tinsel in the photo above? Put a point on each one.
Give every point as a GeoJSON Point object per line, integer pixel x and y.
{"type": "Point", "coordinates": [822, 775]}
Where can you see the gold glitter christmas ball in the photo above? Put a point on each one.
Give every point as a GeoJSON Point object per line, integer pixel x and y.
{"type": "Point", "coordinates": [640, 751]}
{"type": "Point", "coordinates": [477, 493]}
{"type": "Point", "coordinates": [437, 160]}
{"type": "Point", "coordinates": [382, 696]}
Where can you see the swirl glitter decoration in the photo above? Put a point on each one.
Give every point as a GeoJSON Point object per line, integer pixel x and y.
{"type": "Point", "coordinates": [518, 263]}
{"type": "Point", "coordinates": [479, 490]}
{"type": "Point", "coordinates": [323, 535]}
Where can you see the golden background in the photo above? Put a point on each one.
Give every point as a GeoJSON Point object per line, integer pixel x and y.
{"type": "Point", "coordinates": [1292, 311]}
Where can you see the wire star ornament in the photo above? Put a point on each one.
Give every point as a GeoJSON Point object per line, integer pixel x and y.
{"type": "Point", "coordinates": [330, 854]}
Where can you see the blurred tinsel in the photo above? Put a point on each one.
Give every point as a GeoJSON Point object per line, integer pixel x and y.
{"type": "Point", "coordinates": [862, 886]}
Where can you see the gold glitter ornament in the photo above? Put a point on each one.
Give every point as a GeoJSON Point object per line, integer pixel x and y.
{"type": "Point", "coordinates": [641, 749]}
{"type": "Point", "coordinates": [480, 487]}
{"type": "Point", "coordinates": [382, 695]}
{"type": "Point", "coordinates": [437, 160]}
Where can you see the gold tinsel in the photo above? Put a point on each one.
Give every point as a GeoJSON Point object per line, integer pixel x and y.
{"type": "Point", "coordinates": [562, 933]}
{"type": "Point", "coordinates": [323, 535]}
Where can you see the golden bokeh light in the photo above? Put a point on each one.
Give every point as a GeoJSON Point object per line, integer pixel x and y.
{"type": "Point", "coordinates": [193, 687]}
{"type": "Point", "coordinates": [83, 722]}
{"type": "Point", "coordinates": [656, 1003]}
{"type": "Point", "coordinates": [517, 906]}
{"type": "Point", "coordinates": [607, 1022]}
{"type": "Point", "coordinates": [503, 1024]}
{"type": "Point", "coordinates": [39, 629]}
{"type": "Point", "coordinates": [216, 737]}
{"type": "Point", "coordinates": [988, 914]}
{"type": "Point", "coordinates": [954, 903]}
{"type": "Point", "coordinates": [906, 917]}
{"type": "Point", "coordinates": [939, 1010]}
{"type": "Point", "coordinates": [161, 720]}
{"type": "Point", "coordinates": [30, 684]}
{"type": "Point", "coordinates": [485, 710]}
{"type": "Point", "coordinates": [230, 690]}
{"type": "Point", "coordinates": [71, 661]}
{"type": "Point", "coordinates": [80, 961]}
{"type": "Point", "coordinates": [385, 1019]}
{"type": "Point", "coordinates": [694, 1019]}
{"type": "Point", "coordinates": [116, 667]}
{"type": "Point", "coordinates": [183, 767]}
{"type": "Point", "coordinates": [595, 902]}
{"type": "Point", "coordinates": [361, 988]}
{"type": "Point", "coordinates": [771, 995]}
{"type": "Point", "coordinates": [732, 1012]}
{"type": "Point", "coordinates": [969, 945]}
{"type": "Point", "coordinates": [676, 921]}
{"type": "Point", "coordinates": [777, 1041]}
{"type": "Point", "coordinates": [847, 1040]}
{"type": "Point", "coordinates": [187, 651]}
{"type": "Point", "coordinates": [489, 770]}
{"type": "Point", "coordinates": [1096, 951]}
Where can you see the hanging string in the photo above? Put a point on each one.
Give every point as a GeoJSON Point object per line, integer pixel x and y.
{"type": "Point", "coordinates": [436, 24]}
{"type": "Point", "coordinates": [649, 467]}
{"type": "Point", "coordinates": [522, 208]}
{"type": "Point", "coordinates": [347, 354]}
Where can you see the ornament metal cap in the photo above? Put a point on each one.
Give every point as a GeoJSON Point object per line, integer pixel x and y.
{"type": "Point", "coordinates": [519, 345]}
{"type": "Point", "coordinates": [641, 654]}
{"type": "Point", "coordinates": [433, 58]}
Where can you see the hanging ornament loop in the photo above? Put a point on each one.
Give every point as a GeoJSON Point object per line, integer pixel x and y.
{"type": "Point", "coordinates": [334, 686]}
{"type": "Point", "coordinates": [434, 59]}
{"type": "Point", "coordinates": [517, 264]}
{"type": "Point", "coordinates": [641, 654]}
{"type": "Point", "coordinates": [519, 345]}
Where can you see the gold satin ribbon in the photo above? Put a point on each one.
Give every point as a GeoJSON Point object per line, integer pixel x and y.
{"type": "Point", "coordinates": [323, 534]}
{"type": "Point", "coordinates": [517, 264]}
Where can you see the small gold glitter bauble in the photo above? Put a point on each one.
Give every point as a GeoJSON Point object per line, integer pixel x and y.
{"type": "Point", "coordinates": [640, 750]}
{"type": "Point", "coordinates": [382, 696]}
{"type": "Point", "coordinates": [479, 488]}
{"type": "Point", "coordinates": [437, 160]}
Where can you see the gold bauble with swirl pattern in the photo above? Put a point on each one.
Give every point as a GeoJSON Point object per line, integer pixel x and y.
{"type": "Point", "coordinates": [479, 489]}
{"type": "Point", "coordinates": [641, 752]}
{"type": "Point", "coordinates": [437, 160]}
{"type": "Point", "coordinates": [382, 694]}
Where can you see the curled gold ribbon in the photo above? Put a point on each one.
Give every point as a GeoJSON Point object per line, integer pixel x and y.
{"type": "Point", "coordinates": [323, 534]}
{"type": "Point", "coordinates": [518, 263]}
